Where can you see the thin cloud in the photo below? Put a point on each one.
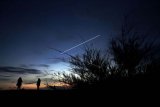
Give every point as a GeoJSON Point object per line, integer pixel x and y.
{"type": "Point", "coordinates": [43, 65]}
{"type": "Point", "coordinates": [5, 75]}
{"type": "Point", "coordinates": [34, 65]}
{"type": "Point", "coordinates": [5, 79]}
{"type": "Point", "coordinates": [24, 66]}
{"type": "Point", "coordinates": [19, 70]}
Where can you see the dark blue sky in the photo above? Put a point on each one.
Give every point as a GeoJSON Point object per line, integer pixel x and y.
{"type": "Point", "coordinates": [29, 27]}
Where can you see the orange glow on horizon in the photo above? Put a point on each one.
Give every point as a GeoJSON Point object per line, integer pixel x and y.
{"type": "Point", "coordinates": [33, 86]}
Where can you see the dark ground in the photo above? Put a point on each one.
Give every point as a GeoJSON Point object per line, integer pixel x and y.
{"type": "Point", "coordinates": [114, 92]}
{"type": "Point", "coordinates": [140, 91]}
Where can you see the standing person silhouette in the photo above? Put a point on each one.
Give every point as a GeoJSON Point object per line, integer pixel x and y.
{"type": "Point", "coordinates": [38, 83]}
{"type": "Point", "coordinates": [19, 83]}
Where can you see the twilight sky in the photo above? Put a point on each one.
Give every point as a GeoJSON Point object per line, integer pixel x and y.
{"type": "Point", "coordinates": [29, 27]}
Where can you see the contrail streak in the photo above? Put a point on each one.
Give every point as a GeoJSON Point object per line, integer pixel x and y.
{"type": "Point", "coordinates": [80, 44]}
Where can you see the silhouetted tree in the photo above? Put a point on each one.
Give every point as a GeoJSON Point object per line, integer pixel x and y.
{"type": "Point", "coordinates": [131, 51]}
{"type": "Point", "coordinates": [89, 68]}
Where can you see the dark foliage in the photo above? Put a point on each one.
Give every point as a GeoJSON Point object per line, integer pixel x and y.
{"type": "Point", "coordinates": [90, 68]}
{"type": "Point", "coordinates": [132, 52]}
{"type": "Point", "coordinates": [132, 56]}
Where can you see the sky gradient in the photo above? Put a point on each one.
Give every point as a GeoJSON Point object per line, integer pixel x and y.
{"type": "Point", "coordinates": [29, 28]}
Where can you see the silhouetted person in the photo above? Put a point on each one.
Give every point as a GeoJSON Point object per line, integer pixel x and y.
{"type": "Point", "coordinates": [19, 83]}
{"type": "Point", "coordinates": [38, 83]}
{"type": "Point", "coordinates": [54, 87]}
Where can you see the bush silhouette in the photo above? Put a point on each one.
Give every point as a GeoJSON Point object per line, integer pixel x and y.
{"type": "Point", "coordinates": [131, 55]}
{"type": "Point", "coordinates": [131, 51]}
{"type": "Point", "coordinates": [90, 68]}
